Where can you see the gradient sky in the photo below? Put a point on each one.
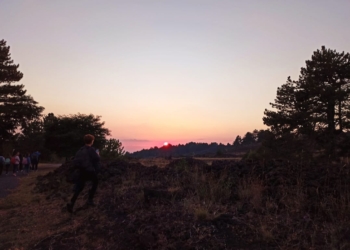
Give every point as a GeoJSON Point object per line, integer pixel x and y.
{"type": "Point", "coordinates": [175, 71]}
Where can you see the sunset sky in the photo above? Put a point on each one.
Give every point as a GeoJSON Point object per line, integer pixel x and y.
{"type": "Point", "coordinates": [175, 71]}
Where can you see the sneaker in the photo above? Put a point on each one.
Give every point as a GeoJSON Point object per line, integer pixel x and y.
{"type": "Point", "coordinates": [70, 207]}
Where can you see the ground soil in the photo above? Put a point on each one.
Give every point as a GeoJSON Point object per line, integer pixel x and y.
{"type": "Point", "coordinates": [8, 182]}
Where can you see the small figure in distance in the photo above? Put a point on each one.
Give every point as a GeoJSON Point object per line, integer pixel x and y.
{"type": "Point", "coordinates": [86, 160]}
{"type": "Point", "coordinates": [2, 163]}
{"type": "Point", "coordinates": [35, 160]}
{"type": "Point", "coordinates": [7, 163]}
{"type": "Point", "coordinates": [15, 162]}
{"type": "Point", "coordinates": [29, 162]}
{"type": "Point", "coordinates": [24, 163]}
{"type": "Point", "coordinates": [20, 163]}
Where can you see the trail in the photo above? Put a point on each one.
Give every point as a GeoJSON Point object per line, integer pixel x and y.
{"type": "Point", "coordinates": [9, 182]}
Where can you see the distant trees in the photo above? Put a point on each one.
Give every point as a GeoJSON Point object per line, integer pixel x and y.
{"type": "Point", "coordinates": [17, 109]}
{"type": "Point", "coordinates": [251, 138]}
{"type": "Point", "coordinates": [238, 141]}
{"type": "Point", "coordinates": [32, 137]}
{"type": "Point", "coordinates": [250, 141]}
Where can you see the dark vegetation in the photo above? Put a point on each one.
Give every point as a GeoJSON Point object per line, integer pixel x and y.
{"type": "Point", "coordinates": [191, 205]}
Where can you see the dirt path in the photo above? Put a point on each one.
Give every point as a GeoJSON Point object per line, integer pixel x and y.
{"type": "Point", "coordinates": [9, 182]}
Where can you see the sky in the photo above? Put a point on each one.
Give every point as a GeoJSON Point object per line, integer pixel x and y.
{"type": "Point", "coordinates": [172, 71]}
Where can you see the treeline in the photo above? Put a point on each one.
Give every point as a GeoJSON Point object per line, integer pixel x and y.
{"type": "Point", "coordinates": [249, 141]}
{"type": "Point", "coordinates": [24, 127]}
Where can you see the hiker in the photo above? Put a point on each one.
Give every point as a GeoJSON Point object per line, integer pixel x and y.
{"type": "Point", "coordinates": [7, 163]}
{"type": "Point", "coordinates": [35, 160]}
{"type": "Point", "coordinates": [2, 163]}
{"type": "Point", "coordinates": [86, 161]}
{"type": "Point", "coordinates": [20, 162]}
{"type": "Point", "coordinates": [15, 162]}
{"type": "Point", "coordinates": [29, 162]}
{"type": "Point", "coordinates": [25, 163]}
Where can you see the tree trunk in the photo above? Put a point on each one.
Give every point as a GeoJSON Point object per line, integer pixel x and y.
{"type": "Point", "coordinates": [330, 117]}
{"type": "Point", "coordinates": [340, 113]}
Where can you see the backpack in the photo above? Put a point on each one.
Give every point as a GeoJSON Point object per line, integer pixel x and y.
{"type": "Point", "coordinates": [82, 160]}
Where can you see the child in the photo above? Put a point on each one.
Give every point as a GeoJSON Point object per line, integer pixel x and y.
{"type": "Point", "coordinates": [25, 164]}
{"type": "Point", "coordinates": [15, 162]}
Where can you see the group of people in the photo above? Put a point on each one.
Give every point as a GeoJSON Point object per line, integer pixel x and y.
{"type": "Point", "coordinates": [20, 163]}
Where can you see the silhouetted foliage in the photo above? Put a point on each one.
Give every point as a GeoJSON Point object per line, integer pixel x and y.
{"type": "Point", "coordinates": [64, 134]}
{"type": "Point", "coordinates": [17, 109]}
{"type": "Point", "coordinates": [238, 141]}
{"type": "Point", "coordinates": [112, 148]}
{"type": "Point", "coordinates": [248, 139]}
{"type": "Point", "coordinates": [32, 137]}
{"type": "Point", "coordinates": [317, 104]}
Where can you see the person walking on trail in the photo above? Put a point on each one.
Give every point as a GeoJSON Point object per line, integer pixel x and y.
{"type": "Point", "coordinates": [86, 161]}
{"type": "Point", "coordinates": [7, 163]}
{"type": "Point", "coordinates": [15, 162]}
{"type": "Point", "coordinates": [25, 163]}
{"type": "Point", "coordinates": [29, 162]}
{"type": "Point", "coordinates": [20, 162]}
{"type": "Point", "coordinates": [35, 160]}
{"type": "Point", "coordinates": [2, 163]}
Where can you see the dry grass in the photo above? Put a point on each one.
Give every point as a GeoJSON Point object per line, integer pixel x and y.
{"type": "Point", "coordinates": [159, 162]}
{"type": "Point", "coordinates": [209, 160]}
{"type": "Point", "coordinates": [283, 217]}
{"type": "Point", "coordinates": [162, 162]}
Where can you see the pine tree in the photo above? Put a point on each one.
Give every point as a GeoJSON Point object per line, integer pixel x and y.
{"type": "Point", "coordinates": [16, 108]}
{"type": "Point", "coordinates": [318, 102]}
